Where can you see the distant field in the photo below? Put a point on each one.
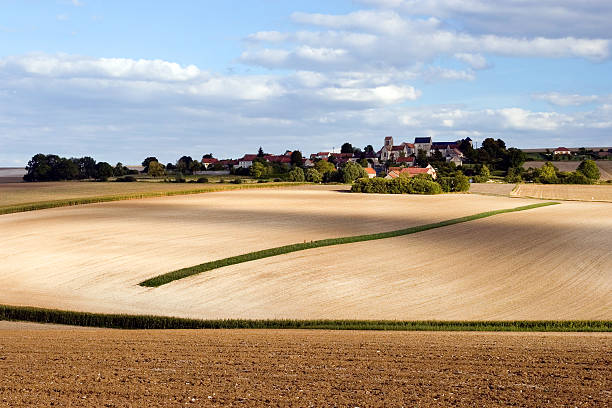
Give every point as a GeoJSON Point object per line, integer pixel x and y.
{"type": "Point", "coordinates": [16, 194]}
{"type": "Point", "coordinates": [605, 166]}
{"type": "Point", "coordinates": [503, 189]}
{"type": "Point", "coordinates": [564, 192]}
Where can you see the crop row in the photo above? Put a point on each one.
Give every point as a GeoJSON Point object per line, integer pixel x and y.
{"type": "Point", "coordinates": [124, 321]}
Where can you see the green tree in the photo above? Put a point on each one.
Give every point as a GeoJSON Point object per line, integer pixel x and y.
{"type": "Point", "coordinates": [297, 174]}
{"type": "Point", "coordinates": [195, 165]}
{"type": "Point", "coordinates": [260, 152]}
{"type": "Point", "coordinates": [156, 169]}
{"type": "Point", "coordinates": [346, 148]}
{"type": "Point", "coordinates": [323, 167]}
{"type": "Point", "coordinates": [119, 170]}
{"type": "Point", "coordinates": [296, 158]}
{"type": "Point", "coordinates": [87, 167]}
{"type": "Point", "coordinates": [461, 182]}
{"type": "Point", "coordinates": [184, 164]}
{"type": "Point", "coordinates": [258, 170]}
{"type": "Point", "coordinates": [146, 162]}
{"type": "Point", "coordinates": [421, 158]}
{"type": "Point", "coordinates": [352, 171]}
{"type": "Point", "coordinates": [589, 169]}
{"type": "Point", "coordinates": [313, 176]}
{"type": "Point", "coordinates": [547, 174]}
{"type": "Point", "coordinates": [104, 171]}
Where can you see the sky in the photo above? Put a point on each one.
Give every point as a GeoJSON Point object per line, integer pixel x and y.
{"type": "Point", "coordinates": [124, 80]}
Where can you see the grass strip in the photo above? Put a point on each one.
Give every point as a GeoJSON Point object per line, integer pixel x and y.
{"type": "Point", "coordinates": [266, 253]}
{"type": "Point", "coordinates": [132, 196]}
{"type": "Point", "coordinates": [125, 321]}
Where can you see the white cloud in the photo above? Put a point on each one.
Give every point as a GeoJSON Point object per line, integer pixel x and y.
{"type": "Point", "coordinates": [476, 61]}
{"type": "Point", "coordinates": [561, 99]}
{"type": "Point", "coordinates": [535, 18]}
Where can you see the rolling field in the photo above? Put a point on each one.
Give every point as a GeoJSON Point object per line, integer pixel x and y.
{"type": "Point", "coordinates": [34, 196]}
{"type": "Point", "coordinates": [564, 192]}
{"type": "Point", "coordinates": [87, 368]}
{"type": "Point", "coordinates": [91, 258]}
{"type": "Point", "coordinates": [605, 166]}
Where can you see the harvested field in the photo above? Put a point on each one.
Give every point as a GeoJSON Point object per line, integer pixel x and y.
{"type": "Point", "coordinates": [547, 263]}
{"type": "Point", "coordinates": [81, 368]}
{"type": "Point", "coordinates": [92, 257]}
{"type": "Point", "coordinates": [502, 189]}
{"type": "Point", "coordinates": [35, 196]}
{"type": "Point", "coordinates": [605, 166]}
{"type": "Point", "coordinates": [564, 192]}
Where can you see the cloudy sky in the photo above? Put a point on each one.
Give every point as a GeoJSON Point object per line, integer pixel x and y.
{"type": "Point", "coordinates": [122, 80]}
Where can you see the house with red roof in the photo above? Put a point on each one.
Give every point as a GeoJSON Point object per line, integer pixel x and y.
{"type": "Point", "coordinates": [562, 151]}
{"type": "Point", "coordinates": [370, 172]}
{"type": "Point", "coordinates": [395, 172]}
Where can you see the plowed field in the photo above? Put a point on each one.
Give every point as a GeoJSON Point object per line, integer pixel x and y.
{"type": "Point", "coordinates": [97, 368]}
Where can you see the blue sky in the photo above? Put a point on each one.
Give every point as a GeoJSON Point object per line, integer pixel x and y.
{"type": "Point", "coordinates": [124, 80]}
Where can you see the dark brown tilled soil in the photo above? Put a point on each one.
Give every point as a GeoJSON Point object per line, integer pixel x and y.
{"type": "Point", "coordinates": [111, 368]}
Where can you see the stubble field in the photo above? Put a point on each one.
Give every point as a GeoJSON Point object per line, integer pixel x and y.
{"type": "Point", "coordinates": [86, 368]}
{"type": "Point", "coordinates": [510, 266]}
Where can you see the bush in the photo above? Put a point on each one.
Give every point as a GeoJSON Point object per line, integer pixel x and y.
{"type": "Point", "coordinates": [313, 176]}
{"type": "Point", "coordinates": [461, 183]}
{"type": "Point", "coordinates": [276, 180]}
{"type": "Point", "coordinates": [351, 172]}
{"type": "Point", "coordinates": [126, 179]}
{"type": "Point", "coordinates": [297, 175]}
{"type": "Point", "coordinates": [514, 175]}
{"type": "Point", "coordinates": [237, 181]}
{"type": "Point", "coordinates": [262, 181]}
{"type": "Point", "coordinates": [202, 180]}
{"type": "Point", "coordinates": [577, 177]}
{"type": "Point", "coordinates": [400, 185]}
{"type": "Point", "coordinates": [589, 169]}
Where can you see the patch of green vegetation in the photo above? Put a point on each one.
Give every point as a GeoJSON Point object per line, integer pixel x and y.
{"type": "Point", "coordinates": [124, 321]}
{"type": "Point", "coordinates": [132, 196]}
{"type": "Point", "coordinates": [266, 253]}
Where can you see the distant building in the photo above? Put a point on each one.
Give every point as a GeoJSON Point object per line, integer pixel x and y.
{"type": "Point", "coordinates": [371, 172]}
{"type": "Point", "coordinates": [422, 143]}
{"type": "Point", "coordinates": [562, 151]}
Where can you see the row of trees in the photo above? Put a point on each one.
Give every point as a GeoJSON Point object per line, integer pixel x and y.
{"type": "Point", "coordinates": [51, 167]}
{"type": "Point", "coordinates": [586, 173]}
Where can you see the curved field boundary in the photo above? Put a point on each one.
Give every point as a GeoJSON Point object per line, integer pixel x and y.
{"type": "Point", "coordinates": [134, 196]}
{"type": "Point", "coordinates": [266, 253]}
{"type": "Point", "coordinates": [124, 321]}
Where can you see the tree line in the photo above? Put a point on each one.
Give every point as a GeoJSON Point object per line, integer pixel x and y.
{"type": "Point", "coordinates": [51, 167]}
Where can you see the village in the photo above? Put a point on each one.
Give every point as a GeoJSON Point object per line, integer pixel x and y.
{"type": "Point", "coordinates": [388, 162]}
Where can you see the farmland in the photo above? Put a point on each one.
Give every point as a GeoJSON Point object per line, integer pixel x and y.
{"type": "Point", "coordinates": [103, 367]}
{"type": "Point", "coordinates": [565, 192]}
{"type": "Point", "coordinates": [91, 258]}
{"type": "Point", "coordinates": [34, 196]}
{"type": "Point", "coordinates": [605, 166]}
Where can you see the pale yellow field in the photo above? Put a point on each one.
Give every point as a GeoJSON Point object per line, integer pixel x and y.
{"type": "Point", "coordinates": [547, 263]}
{"type": "Point", "coordinates": [564, 192]}
{"type": "Point", "coordinates": [22, 193]}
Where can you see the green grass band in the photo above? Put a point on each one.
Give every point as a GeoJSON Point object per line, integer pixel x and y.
{"type": "Point", "coordinates": [132, 196]}
{"type": "Point", "coordinates": [124, 321]}
{"type": "Point", "coordinates": [266, 253]}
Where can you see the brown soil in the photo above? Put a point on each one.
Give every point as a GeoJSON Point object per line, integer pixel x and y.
{"type": "Point", "coordinates": [302, 368]}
